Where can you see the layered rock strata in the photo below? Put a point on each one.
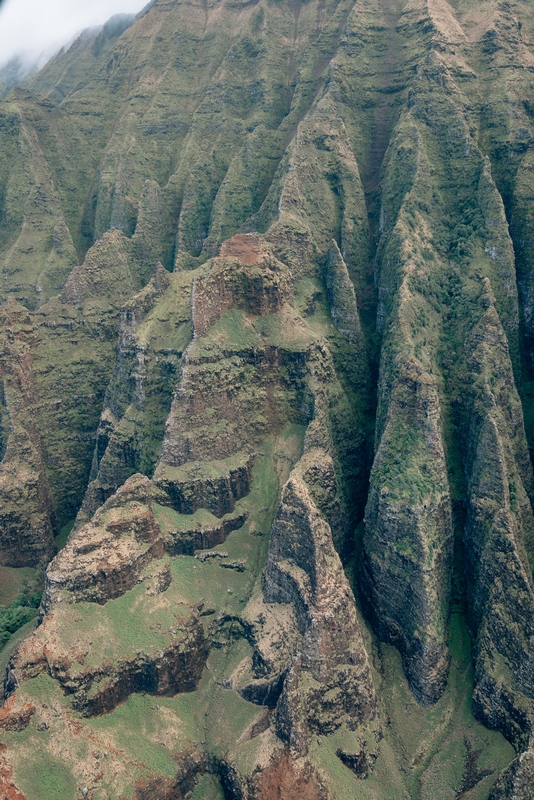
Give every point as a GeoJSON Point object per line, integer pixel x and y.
{"type": "Point", "coordinates": [94, 684]}
{"type": "Point", "coordinates": [107, 556]}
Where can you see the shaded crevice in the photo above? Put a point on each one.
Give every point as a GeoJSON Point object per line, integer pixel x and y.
{"type": "Point", "coordinates": [383, 119]}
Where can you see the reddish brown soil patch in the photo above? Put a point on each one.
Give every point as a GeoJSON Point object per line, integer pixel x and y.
{"type": "Point", "coordinates": [75, 727]}
{"type": "Point", "coordinates": [283, 780]}
{"type": "Point", "coordinates": [15, 719]}
{"type": "Point", "coordinates": [246, 247]}
{"type": "Point", "coordinates": [8, 790]}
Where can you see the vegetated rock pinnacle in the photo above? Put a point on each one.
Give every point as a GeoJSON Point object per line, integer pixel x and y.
{"type": "Point", "coordinates": [408, 533]}
{"type": "Point", "coordinates": [267, 312]}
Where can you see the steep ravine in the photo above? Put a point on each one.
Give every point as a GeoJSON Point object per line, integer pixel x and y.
{"type": "Point", "coordinates": [266, 282]}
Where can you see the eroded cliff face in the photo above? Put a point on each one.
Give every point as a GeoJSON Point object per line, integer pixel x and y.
{"type": "Point", "coordinates": [267, 348]}
{"type": "Point", "coordinates": [27, 510]}
{"type": "Point", "coordinates": [328, 683]}
{"type": "Point", "coordinates": [407, 560]}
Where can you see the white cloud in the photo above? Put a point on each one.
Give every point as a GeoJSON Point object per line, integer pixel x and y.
{"type": "Point", "coordinates": [36, 29]}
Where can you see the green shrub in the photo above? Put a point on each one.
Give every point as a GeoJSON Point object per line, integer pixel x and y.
{"type": "Point", "coordinates": [23, 609]}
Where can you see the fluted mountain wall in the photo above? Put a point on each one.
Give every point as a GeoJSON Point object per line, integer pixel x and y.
{"type": "Point", "coordinates": [268, 324]}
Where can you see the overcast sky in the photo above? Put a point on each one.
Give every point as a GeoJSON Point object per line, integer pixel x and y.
{"type": "Point", "coordinates": [34, 28]}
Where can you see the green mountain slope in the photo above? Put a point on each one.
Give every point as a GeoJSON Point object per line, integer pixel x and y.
{"type": "Point", "coordinates": [268, 326]}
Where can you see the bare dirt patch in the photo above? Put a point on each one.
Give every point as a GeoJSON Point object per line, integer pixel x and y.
{"type": "Point", "coordinates": [244, 246]}
{"type": "Point", "coordinates": [285, 780]}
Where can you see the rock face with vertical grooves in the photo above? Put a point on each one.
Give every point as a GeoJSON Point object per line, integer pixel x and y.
{"type": "Point", "coordinates": [498, 537]}
{"type": "Point", "coordinates": [267, 321]}
{"type": "Point", "coordinates": [27, 513]}
{"type": "Point", "coordinates": [407, 559]}
{"type": "Point", "coordinates": [328, 682]}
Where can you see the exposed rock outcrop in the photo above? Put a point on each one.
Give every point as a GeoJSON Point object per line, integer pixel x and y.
{"type": "Point", "coordinates": [27, 514]}
{"type": "Point", "coordinates": [328, 681]}
{"type": "Point", "coordinates": [96, 684]}
{"type": "Point", "coordinates": [408, 535]}
{"type": "Point", "coordinates": [498, 536]}
{"type": "Point", "coordinates": [191, 763]}
{"type": "Point", "coordinates": [518, 779]}
{"type": "Point", "coordinates": [14, 717]}
{"type": "Point", "coordinates": [287, 780]}
{"type": "Point", "coordinates": [202, 534]}
{"type": "Point", "coordinates": [108, 555]}
{"type": "Point", "coordinates": [246, 276]}
{"type": "Point", "coordinates": [154, 331]}
{"type": "Point", "coordinates": [215, 485]}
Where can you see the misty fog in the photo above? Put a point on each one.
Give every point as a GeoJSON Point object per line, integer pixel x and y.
{"type": "Point", "coordinates": [32, 31]}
